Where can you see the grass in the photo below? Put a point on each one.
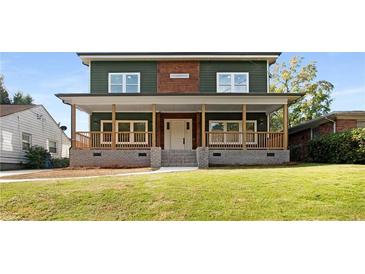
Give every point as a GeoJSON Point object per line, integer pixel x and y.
{"type": "Point", "coordinates": [303, 192]}
{"type": "Point", "coordinates": [75, 172]}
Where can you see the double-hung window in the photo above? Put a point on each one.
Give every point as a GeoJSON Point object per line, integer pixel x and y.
{"type": "Point", "coordinates": [127, 82]}
{"type": "Point", "coordinates": [26, 140]}
{"type": "Point", "coordinates": [232, 82]}
{"type": "Point", "coordinates": [52, 146]}
{"type": "Point", "coordinates": [229, 132]}
{"type": "Point", "coordinates": [127, 131]}
{"type": "Point", "coordinates": [132, 132]}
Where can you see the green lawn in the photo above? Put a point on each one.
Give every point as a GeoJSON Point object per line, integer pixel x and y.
{"type": "Point", "coordinates": [304, 192]}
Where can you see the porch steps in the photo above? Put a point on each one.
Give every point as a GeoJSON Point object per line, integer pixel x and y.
{"type": "Point", "coordinates": [173, 158]}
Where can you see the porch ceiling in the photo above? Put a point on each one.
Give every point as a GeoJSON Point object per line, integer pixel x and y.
{"type": "Point", "coordinates": [178, 103]}
{"type": "Point", "coordinates": [179, 108]}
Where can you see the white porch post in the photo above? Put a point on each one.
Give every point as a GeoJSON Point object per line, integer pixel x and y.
{"type": "Point", "coordinates": [244, 108]}
{"type": "Point", "coordinates": [73, 126]}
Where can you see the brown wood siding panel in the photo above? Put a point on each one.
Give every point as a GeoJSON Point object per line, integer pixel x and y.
{"type": "Point", "coordinates": [164, 116]}
{"type": "Point", "coordinates": [165, 84]}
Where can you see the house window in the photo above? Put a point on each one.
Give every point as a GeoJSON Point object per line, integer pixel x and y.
{"type": "Point", "coordinates": [52, 147]}
{"type": "Point", "coordinates": [232, 82]}
{"type": "Point", "coordinates": [124, 82]}
{"type": "Point", "coordinates": [231, 129]}
{"type": "Point", "coordinates": [26, 141]}
{"type": "Point", "coordinates": [361, 123]}
{"type": "Point", "coordinates": [127, 131]}
{"type": "Point", "coordinates": [315, 133]}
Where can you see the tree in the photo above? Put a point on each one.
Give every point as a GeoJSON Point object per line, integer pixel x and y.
{"type": "Point", "coordinates": [297, 78]}
{"type": "Point", "coordinates": [20, 99]}
{"type": "Point", "coordinates": [4, 95]}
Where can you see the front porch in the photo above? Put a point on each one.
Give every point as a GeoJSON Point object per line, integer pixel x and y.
{"type": "Point", "coordinates": [214, 126]}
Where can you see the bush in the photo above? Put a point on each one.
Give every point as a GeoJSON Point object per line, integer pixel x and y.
{"type": "Point", "coordinates": [38, 157]}
{"type": "Point", "coordinates": [344, 147]}
{"type": "Point", "coordinates": [60, 162]}
{"type": "Point", "coordinates": [296, 153]}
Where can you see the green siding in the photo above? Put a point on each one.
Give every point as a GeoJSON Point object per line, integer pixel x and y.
{"type": "Point", "coordinates": [257, 74]}
{"type": "Point", "coordinates": [99, 71]}
{"type": "Point", "coordinates": [96, 117]}
{"type": "Point", "coordinates": [260, 117]}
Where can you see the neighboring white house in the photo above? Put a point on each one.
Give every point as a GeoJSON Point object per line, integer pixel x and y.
{"type": "Point", "coordinates": [23, 126]}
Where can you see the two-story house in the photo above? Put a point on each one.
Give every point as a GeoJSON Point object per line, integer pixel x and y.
{"type": "Point", "coordinates": [178, 109]}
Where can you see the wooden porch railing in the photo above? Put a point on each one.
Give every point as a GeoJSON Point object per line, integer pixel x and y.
{"type": "Point", "coordinates": [254, 140]}
{"type": "Point", "coordinates": [103, 140]}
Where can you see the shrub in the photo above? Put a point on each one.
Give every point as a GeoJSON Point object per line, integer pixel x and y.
{"type": "Point", "coordinates": [60, 162]}
{"type": "Point", "coordinates": [38, 157]}
{"type": "Point", "coordinates": [342, 147]}
{"type": "Point", "coordinates": [296, 152]}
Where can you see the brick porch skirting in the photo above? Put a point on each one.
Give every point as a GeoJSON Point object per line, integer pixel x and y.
{"type": "Point", "coordinates": [147, 158]}
{"type": "Point", "coordinates": [248, 157]}
{"type": "Point", "coordinates": [109, 158]}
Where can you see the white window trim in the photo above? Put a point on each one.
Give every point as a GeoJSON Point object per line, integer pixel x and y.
{"type": "Point", "coordinates": [240, 130]}
{"type": "Point", "coordinates": [30, 140]}
{"type": "Point", "coordinates": [131, 138]}
{"type": "Point", "coordinates": [49, 146]}
{"type": "Point", "coordinates": [232, 82]}
{"type": "Point", "coordinates": [124, 83]}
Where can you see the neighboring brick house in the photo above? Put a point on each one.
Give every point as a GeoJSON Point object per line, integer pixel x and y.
{"type": "Point", "coordinates": [337, 121]}
{"type": "Point", "coordinates": [178, 108]}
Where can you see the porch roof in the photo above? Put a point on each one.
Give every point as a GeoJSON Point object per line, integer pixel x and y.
{"type": "Point", "coordinates": [87, 57]}
{"type": "Point", "coordinates": [256, 102]}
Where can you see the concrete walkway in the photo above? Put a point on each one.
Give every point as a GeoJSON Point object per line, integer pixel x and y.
{"type": "Point", "coordinates": [20, 172]}
{"type": "Point", "coordinates": [161, 170]}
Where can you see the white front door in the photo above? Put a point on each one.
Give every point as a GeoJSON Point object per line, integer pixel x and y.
{"type": "Point", "coordinates": [178, 133]}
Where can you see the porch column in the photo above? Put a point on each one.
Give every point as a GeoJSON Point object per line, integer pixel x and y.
{"type": "Point", "coordinates": [285, 126]}
{"type": "Point", "coordinates": [73, 126]}
{"type": "Point", "coordinates": [113, 127]}
{"type": "Point", "coordinates": [203, 126]}
{"type": "Point", "coordinates": [244, 108]}
{"type": "Point", "coordinates": [153, 125]}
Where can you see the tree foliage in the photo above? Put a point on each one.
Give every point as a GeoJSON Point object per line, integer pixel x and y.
{"type": "Point", "coordinates": [18, 99]}
{"type": "Point", "coordinates": [295, 77]}
{"type": "Point", "coordinates": [4, 95]}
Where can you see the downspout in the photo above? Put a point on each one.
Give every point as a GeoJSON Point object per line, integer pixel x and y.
{"type": "Point", "coordinates": [334, 123]}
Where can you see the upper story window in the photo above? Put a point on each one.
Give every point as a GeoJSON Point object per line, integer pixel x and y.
{"type": "Point", "coordinates": [128, 82]}
{"type": "Point", "coordinates": [26, 140]}
{"type": "Point", "coordinates": [232, 81]}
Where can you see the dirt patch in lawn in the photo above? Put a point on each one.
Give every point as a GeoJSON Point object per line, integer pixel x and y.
{"type": "Point", "coordinates": [76, 172]}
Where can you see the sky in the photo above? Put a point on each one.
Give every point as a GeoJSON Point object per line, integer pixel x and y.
{"type": "Point", "coordinates": [44, 74]}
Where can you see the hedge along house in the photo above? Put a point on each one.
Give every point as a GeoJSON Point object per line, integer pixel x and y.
{"type": "Point", "coordinates": [178, 109]}
{"type": "Point", "coordinates": [337, 121]}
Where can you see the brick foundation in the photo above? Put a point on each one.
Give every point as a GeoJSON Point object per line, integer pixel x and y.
{"type": "Point", "coordinates": [155, 157]}
{"type": "Point", "coordinates": [202, 156]}
{"type": "Point", "coordinates": [110, 158]}
{"type": "Point", "coordinates": [248, 157]}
